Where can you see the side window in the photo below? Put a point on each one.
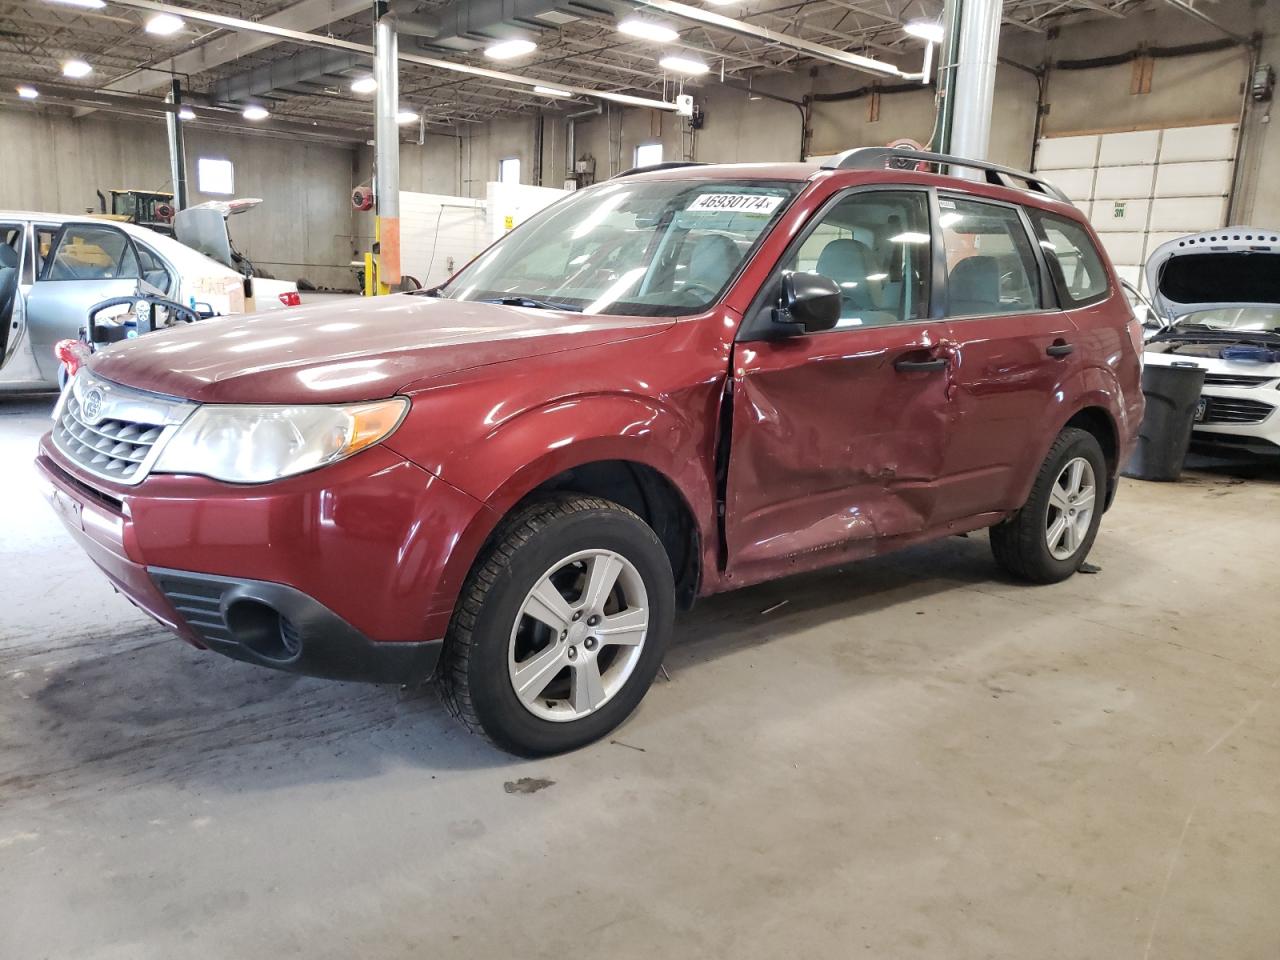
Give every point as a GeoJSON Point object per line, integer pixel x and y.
{"type": "Point", "coordinates": [875, 246]}
{"type": "Point", "coordinates": [991, 266]}
{"type": "Point", "coordinates": [44, 237]}
{"type": "Point", "coordinates": [1074, 261]}
{"type": "Point", "coordinates": [153, 269]}
{"type": "Point", "coordinates": [86, 252]}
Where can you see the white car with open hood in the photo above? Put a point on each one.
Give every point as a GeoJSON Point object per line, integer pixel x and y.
{"type": "Point", "coordinates": [54, 267]}
{"type": "Point", "coordinates": [1217, 295]}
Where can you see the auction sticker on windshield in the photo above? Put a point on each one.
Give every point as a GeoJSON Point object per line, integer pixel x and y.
{"type": "Point", "coordinates": [734, 203]}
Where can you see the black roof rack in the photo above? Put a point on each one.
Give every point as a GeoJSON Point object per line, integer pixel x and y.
{"type": "Point", "coordinates": [878, 158]}
{"type": "Point", "coordinates": [664, 165]}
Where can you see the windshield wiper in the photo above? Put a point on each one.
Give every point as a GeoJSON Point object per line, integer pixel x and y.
{"type": "Point", "coordinates": [531, 303]}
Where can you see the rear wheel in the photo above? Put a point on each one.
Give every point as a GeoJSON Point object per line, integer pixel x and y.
{"type": "Point", "coordinates": [1048, 539]}
{"type": "Point", "coordinates": [561, 627]}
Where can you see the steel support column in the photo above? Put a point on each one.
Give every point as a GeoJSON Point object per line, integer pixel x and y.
{"type": "Point", "coordinates": [177, 148]}
{"type": "Point", "coordinates": [974, 86]}
{"type": "Point", "coordinates": [386, 149]}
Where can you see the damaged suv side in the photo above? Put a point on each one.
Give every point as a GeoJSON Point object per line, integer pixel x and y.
{"type": "Point", "coordinates": [678, 382]}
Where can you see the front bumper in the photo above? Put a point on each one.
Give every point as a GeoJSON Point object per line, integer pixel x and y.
{"type": "Point", "coordinates": [275, 626]}
{"type": "Point", "coordinates": [348, 572]}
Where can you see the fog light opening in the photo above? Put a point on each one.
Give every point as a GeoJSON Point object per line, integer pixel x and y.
{"type": "Point", "coordinates": [260, 628]}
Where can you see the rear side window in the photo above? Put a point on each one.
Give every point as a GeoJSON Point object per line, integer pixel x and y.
{"type": "Point", "coordinates": [92, 253]}
{"type": "Point", "coordinates": [1074, 261]}
{"type": "Point", "coordinates": [990, 261]}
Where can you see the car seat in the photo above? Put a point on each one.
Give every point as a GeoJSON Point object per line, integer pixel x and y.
{"type": "Point", "coordinates": [848, 263]}
{"type": "Point", "coordinates": [712, 261]}
{"type": "Point", "coordinates": [974, 287]}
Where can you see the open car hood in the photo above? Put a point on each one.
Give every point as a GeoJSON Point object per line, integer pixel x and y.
{"type": "Point", "coordinates": [1215, 270]}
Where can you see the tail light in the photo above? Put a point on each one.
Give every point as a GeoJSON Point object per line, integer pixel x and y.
{"type": "Point", "coordinates": [71, 353]}
{"type": "Point", "coordinates": [291, 299]}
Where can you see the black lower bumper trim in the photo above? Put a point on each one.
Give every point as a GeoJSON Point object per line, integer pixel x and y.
{"type": "Point", "coordinates": [272, 625]}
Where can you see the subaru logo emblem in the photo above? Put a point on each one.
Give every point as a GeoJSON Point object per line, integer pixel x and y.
{"type": "Point", "coordinates": [91, 407]}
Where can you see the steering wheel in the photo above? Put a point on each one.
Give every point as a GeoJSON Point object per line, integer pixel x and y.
{"type": "Point", "coordinates": [694, 287]}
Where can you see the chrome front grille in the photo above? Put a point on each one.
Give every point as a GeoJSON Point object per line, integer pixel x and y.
{"type": "Point", "coordinates": [1233, 410]}
{"type": "Point", "coordinates": [112, 448]}
{"type": "Point", "coordinates": [112, 431]}
{"type": "Point", "coordinates": [1235, 379]}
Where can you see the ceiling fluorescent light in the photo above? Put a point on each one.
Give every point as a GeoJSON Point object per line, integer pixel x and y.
{"type": "Point", "coordinates": [653, 30]}
{"type": "Point", "coordinates": [76, 69]}
{"type": "Point", "coordinates": [678, 64]}
{"type": "Point", "coordinates": [255, 112]}
{"type": "Point", "coordinates": [404, 116]}
{"type": "Point", "coordinates": [28, 92]}
{"type": "Point", "coordinates": [186, 113]}
{"type": "Point", "coordinates": [509, 49]}
{"type": "Point", "coordinates": [165, 24]}
{"type": "Point", "coordinates": [552, 92]}
{"type": "Point", "coordinates": [928, 30]}
{"type": "Point", "coordinates": [364, 85]}
{"type": "Point", "coordinates": [86, 4]}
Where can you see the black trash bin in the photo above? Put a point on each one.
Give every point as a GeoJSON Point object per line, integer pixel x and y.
{"type": "Point", "coordinates": [1172, 395]}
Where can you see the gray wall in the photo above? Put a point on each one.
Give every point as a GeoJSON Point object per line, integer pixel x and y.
{"type": "Point", "coordinates": [306, 227]}
{"type": "Point", "coordinates": [302, 229]}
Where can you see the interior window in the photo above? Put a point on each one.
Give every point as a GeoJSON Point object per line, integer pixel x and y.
{"type": "Point", "coordinates": [875, 246]}
{"type": "Point", "coordinates": [87, 252]}
{"type": "Point", "coordinates": [1074, 260]}
{"type": "Point", "coordinates": [990, 262]}
{"type": "Point", "coordinates": [153, 269]}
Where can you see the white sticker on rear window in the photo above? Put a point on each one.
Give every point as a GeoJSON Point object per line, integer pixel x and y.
{"type": "Point", "coordinates": [734, 203]}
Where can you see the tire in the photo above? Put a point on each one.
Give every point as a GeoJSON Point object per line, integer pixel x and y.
{"type": "Point", "coordinates": [1022, 544]}
{"type": "Point", "coordinates": [559, 545]}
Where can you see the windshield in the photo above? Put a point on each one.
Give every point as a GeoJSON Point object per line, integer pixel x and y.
{"type": "Point", "coordinates": [656, 248]}
{"type": "Point", "coordinates": [1239, 319]}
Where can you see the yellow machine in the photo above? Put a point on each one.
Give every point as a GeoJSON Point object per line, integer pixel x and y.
{"type": "Point", "coordinates": [147, 208]}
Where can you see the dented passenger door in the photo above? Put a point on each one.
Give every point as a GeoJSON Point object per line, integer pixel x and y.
{"type": "Point", "coordinates": [839, 438]}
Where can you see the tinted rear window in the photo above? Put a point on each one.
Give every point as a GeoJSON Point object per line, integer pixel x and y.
{"type": "Point", "coordinates": [1077, 266]}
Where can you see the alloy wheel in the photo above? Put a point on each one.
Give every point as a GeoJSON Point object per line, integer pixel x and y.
{"type": "Point", "coordinates": [578, 635]}
{"type": "Point", "coordinates": [1071, 506]}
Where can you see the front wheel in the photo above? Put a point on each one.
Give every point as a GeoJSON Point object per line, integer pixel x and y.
{"type": "Point", "coordinates": [561, 626]}
{"type": "Point", "coordinates": [1048, 539]}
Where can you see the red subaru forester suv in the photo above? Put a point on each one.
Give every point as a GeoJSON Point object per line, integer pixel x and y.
{"type": "Point", "coordinates": [683, 380]}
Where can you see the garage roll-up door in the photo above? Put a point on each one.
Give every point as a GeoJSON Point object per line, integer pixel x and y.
{"type": "Point", "coordinates": [1143, 187]}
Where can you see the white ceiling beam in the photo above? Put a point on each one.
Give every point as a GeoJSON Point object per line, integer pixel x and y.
{"type": "Point", "coordinates": [223, 48]}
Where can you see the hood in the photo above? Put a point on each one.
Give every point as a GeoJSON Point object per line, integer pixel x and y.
{"type": "Point", "coordinates": [357, 349]}
{"type": "Point", "coordinates": [1215, 270]}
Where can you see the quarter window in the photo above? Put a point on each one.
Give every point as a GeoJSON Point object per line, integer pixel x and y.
{"type": "Point", "coordinates": [154, 271]}
{"type": "Point", "coordinates": [92, 253]}
{"type": "Point", "coordinates": [991, 266]}
{"type": "Point", "coordinates": [1076, 265]}
{"type": "Point", "coordinates": [875, 246]}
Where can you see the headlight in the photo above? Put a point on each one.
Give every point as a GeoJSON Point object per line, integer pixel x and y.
{"type": "Point", "coordinates": [242, 444]}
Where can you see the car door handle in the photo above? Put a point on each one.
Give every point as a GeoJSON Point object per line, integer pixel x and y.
{"type": "Point", "coordinates": [1060, 349]}
{"type": "Point", "coordinates": [918, 366]}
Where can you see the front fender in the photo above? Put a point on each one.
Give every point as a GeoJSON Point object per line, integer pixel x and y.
{"type": "Point", "coordinates": [504, 464]}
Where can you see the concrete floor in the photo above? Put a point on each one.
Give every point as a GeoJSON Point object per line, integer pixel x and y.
{"type": "Point", "coordinates": [911, 758]}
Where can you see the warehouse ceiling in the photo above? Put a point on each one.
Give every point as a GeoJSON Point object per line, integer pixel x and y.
{"type": "Point", "coordinates": [309, 85]}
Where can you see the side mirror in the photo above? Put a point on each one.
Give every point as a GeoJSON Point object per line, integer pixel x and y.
{"type": "Point", "coordinates": [810, 303]}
